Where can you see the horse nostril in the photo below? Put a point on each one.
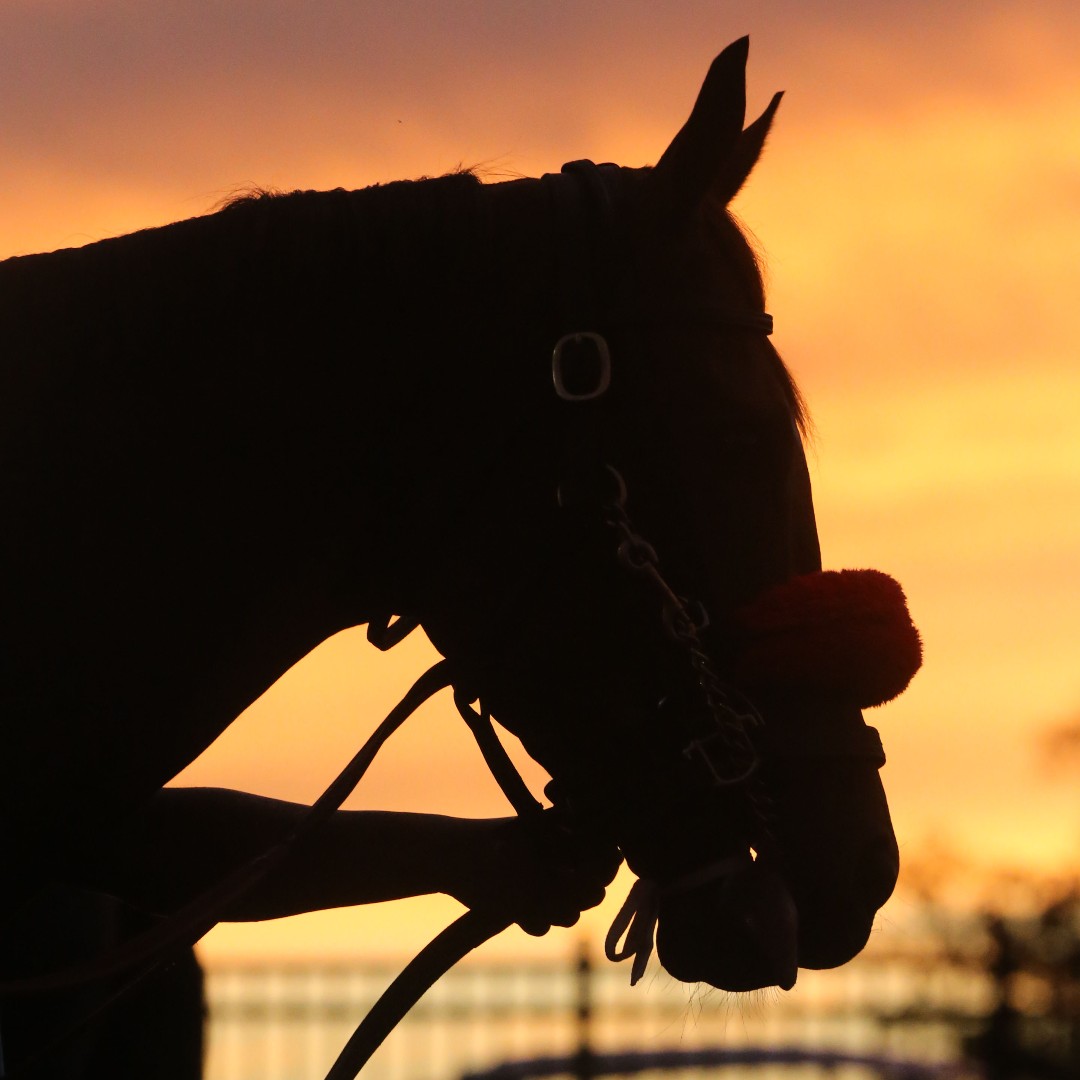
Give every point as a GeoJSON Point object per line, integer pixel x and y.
{"type": "Point", "coordinates": [878, 870]}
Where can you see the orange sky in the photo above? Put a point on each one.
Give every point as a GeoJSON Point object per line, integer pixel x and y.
{"type": "Point", "coordinates": [919, 205]}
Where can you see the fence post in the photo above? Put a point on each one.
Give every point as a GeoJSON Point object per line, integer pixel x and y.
{"type": "Point", "coordinates": [583, 1059]}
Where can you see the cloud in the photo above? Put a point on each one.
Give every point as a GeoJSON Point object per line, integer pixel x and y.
{"type": "Point", "coordinates": [113, 86]}
{"type": "Point", "coordinates": [164, 107]}
{"type": "Point", "coordinates": [1061, 747]}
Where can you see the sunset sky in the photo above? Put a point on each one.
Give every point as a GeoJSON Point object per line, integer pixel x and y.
{"type": "Point", "coordinates": [919, 206]}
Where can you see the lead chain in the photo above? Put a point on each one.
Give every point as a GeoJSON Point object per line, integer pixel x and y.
{"type": "Point", "coordinates": [683, 622]}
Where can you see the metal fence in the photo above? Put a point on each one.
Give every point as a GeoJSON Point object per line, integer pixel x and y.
{"type": "Point", "coordinates": [880, 1016]}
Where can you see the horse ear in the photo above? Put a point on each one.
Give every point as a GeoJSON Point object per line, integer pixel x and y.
{"type": "Point", "coordinates": [712, 156]}
{"type": "Point", "coordinates": [687, 168]}
{"type": "Point", "coordinates": [745, 155]}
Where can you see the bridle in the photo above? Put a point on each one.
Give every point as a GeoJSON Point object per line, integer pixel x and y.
{"type": "Point", "coordinates": [583, 199]}
{"type": "Point", "coordinates": [726, 752]}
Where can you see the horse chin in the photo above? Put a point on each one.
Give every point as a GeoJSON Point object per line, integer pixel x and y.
{"type": "Point", "coordinates": [739, 933]}
{"type": "Point", "coordinates": [837, 951]}
{"type": "Point", "coordinates": [833, 940]}
{"type": "Point", "coordinates": [837, 908]}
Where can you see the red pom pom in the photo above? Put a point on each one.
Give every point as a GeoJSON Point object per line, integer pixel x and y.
{"type": "Point", "coordinates": [842, 633]}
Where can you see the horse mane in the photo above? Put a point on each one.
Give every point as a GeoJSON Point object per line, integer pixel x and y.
{"type": "Point", "coordinates": [410, 230]}
{"type": "Point", "coordinates": [404, 213]}
{"type": "Point", "coordinates": [395, 190]}
{"type": "Point", "coordinates": [405, 201]}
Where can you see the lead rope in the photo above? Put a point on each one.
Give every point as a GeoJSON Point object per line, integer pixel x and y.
{"type": "Point", "coordinates": [464, 934]}
{"type": "Point", "coordinates": [461, 937]}
{"type": "Point", "coordinates": [637, 920]}
{"type": "Point", "coordinates": [467, 932]}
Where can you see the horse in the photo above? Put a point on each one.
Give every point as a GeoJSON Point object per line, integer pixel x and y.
{"type": "Point", "coordinates": [542, 419]}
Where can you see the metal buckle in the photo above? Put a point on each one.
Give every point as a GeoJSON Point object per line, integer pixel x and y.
{"type": "Point", "coordinates": [698, 749]}
{"type": "Point", "coordinates": [603, 363]}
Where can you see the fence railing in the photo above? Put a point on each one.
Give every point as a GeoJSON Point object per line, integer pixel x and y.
{"type": "Point", "coordinates": [288, 1021]}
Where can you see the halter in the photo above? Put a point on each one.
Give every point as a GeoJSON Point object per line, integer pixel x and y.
{"type": "Point", "coordinates": [591, 198]}
{"type": "Point", "coordinates": [729, 754]}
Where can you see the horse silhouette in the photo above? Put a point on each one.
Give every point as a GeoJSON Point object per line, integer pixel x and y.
{"type": "Point", "coordinates": [229, 438]}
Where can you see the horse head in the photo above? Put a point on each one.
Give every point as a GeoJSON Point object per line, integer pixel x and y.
{"type": "Point", "coordinates": [641, 597]}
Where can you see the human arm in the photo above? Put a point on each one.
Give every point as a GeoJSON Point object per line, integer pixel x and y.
{"type": "Point", "coordinates": [187, 839]}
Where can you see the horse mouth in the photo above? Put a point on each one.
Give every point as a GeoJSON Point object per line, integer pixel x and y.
{"type": "Point", "coordinates": [737, 934]}
{"type": "Point", "coordinates": [745, 932]}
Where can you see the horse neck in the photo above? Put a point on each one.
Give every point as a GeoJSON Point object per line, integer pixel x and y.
{"type": "Point", "coordinates": [450, 368]}
{"type": "Point", "coordinates": [324, 375]}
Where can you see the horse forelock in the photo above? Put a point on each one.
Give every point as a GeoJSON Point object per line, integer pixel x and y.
{"type": "Point", "coordinates": [748, 254]}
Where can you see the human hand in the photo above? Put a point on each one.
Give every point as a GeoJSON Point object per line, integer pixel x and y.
{"type": "Point", "coordinates": [537, 873]}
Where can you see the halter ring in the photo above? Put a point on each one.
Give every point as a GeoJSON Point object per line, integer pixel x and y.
{"type": "Point", "coordinates": [603, 363]}
{"type": "Point", "coordinates": [696, 749]}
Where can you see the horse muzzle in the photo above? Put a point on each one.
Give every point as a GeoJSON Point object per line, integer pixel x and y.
{"type": "Point", "coordinates": [737, 933]}
{"type": "Point", "coordinates": [837, 905]}
{"type": "Point", "coordinates": [752, 928]}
